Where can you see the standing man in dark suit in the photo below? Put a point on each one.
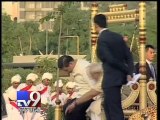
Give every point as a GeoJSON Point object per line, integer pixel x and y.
{"type": "Point", "coordinates": [117, 65]}
{"type": "Point", "coordinates": [150, 68]}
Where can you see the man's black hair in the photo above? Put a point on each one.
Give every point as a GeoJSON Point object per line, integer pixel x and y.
{"type": "Point", "coordinates": [64, 61]}
{"type": "Point", "coordinates": [149, 46]}
{"type": "Point", "coordinates": [125, 34]}
{"type": "Point", "coordinates": [101, 20]}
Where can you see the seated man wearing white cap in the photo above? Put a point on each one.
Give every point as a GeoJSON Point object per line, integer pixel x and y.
{"type": "Point", "coordinates": [10, 97]}
{"type": "Point", "coordinates": [29, 86]}
{"type": "Point", "coordinates": [12, 108]}
{"type": "Point", "coordinates": [95, 73]}
{"type": "Point", "coordinates": [15, 81]}
{"type": "Point", "coordinates": [45, 91]}
{"type": "Point", "coordinates": [44, 88]}
{"type": "Point", "coordinates": [30, 83]}
{"type": "Point", "coordinates": [62, 96]}
{"type": "Point", "coordinates": [70, 86]}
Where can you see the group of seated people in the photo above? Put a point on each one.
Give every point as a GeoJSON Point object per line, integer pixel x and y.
{"type": "Point", "coordinates": [84, 93]}
{"type": "Point", "coordinates": [47, 98]}
{"type": "Point", "coordinates": [90, 100]}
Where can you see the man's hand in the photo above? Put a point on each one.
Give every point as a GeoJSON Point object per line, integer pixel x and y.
{"type": "Point", "coordinates": [129, 77]}
{"type": "Point", "coordinates": [70, 107]}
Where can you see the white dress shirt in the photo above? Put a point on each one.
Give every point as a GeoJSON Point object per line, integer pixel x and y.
{"type": "Point", "coordinates": [102, 31]}
{"type": "Point", "coordinates": [151, 68]}
{"type": "Point", "coordinates": [81, 79]}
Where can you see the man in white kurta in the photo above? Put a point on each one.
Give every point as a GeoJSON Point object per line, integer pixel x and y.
{"type": "Point", "coordinates": [10, 97]}
{"type": "Point", "coordinates": [12, 108]}
{"type": "Point", "coordinates": [62, 96]}
{"type": "Point", "coordinates": [94, 111]}
{"type": "Point", "coordinates": [45, 91]}
{"type": "Point", "coordinates": [82, 82]}
{"type": "Point", "coordinates": [77, 70]}
{"type": "Point", "coordinates": [45, 88]}
{"type": "Point", "coordinates": [15, 81]}
{"type": "Point", "coordinates": [30, 86]}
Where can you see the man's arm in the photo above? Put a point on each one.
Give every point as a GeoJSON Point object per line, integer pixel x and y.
{"type": "Point", "coordinates": [87, 96]}
{"type": "Point", "coordinates": [108, 57]}
{"type": "Point", "coordinates": [129, 60]}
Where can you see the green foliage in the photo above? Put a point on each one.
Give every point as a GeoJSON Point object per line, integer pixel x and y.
{"type": "Point", "coordinates": [46, 65]}
{"type": "Point", "coordinates": [151, 24]}
{"type": "Point", "coordinates": [17, 37]}
{"type": "Point", "coordinates": [31, 27]}
{"type": "Point", "coordinates": [76, 22]}
{"type": "Point", "coordinates": [50, 113]}
{"type": "Point", "coordinates": [7, 38]}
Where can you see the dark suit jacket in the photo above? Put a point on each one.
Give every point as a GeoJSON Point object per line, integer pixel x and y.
{"type": "Point", "coordinates": [116, 58]}
{"type": "Point", "coordinates": [148, 71]}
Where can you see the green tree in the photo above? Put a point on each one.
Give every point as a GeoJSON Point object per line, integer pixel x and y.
{"type": "Point", "coordinates": [46, 65]}
{"type": "Point", "coordinates": [8, 48]}
{"type": "Point", "coordinates": [32, 29]}
{"type": "Point", "coordinates": [76, 22]}
{"type": "Point", "coordinates": [19, 38]}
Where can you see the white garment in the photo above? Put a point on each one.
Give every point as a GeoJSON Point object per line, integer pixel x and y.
{"type": "Point", "coordinates": [23, 85]}
{"type": "Point", "coordinates": [37, 116]}
{"type": "Point", "coordinates": [94, 116]}
{"type": "Point", "coordinates": [46, 96]}
{"type": "Point", "coordinates": [13, 113]}
{"type": "Point", "coordinates": [5, 94]}
{"type": "Point", "coordinates": [28, 114]}
{"type": "Point", "coordinates": [84, 84]}
{"type": "Point", "coordinates": [80, 77]}
{"type": "Point", "coordinates": [6, 99]}
{"type": "Point", "coordinates": [95, 109]}
{"type": "Point", "coordinates": [5, 118]}
{"type": "Point", "coordinates": [62, 98]}
{"type": "Point", "coordinates": [152, 69]}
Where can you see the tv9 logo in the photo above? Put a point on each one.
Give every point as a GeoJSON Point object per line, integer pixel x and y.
{"type": "Point", "coordinates": [28, 99]}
